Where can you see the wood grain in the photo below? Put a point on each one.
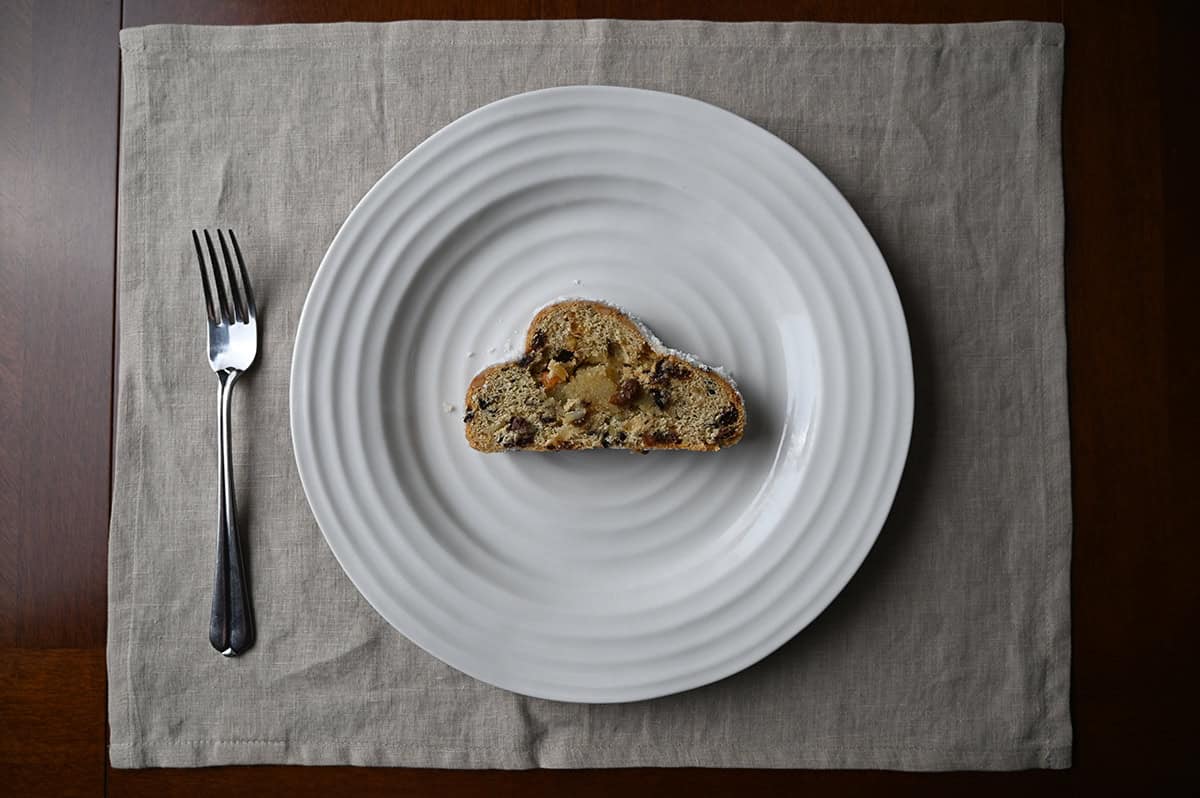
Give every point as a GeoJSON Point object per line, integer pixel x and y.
{"type": "Point", "coordinates": [57, 314]}
{"type": "Point", "coordinates": [52, 721]}
{"type": "Point", "coordinates": [1129, 168]}
{"type": "Point", "coordinates": [661, 783]}
{"type": "Point", "coordinates": [258, 12]}
{"type": "Point", "coordinates": [1179, 589]}
{"type": "Point", "coordinates": [1132, 595]}
{"type": "Point", "coordinates": [16, 138]}
{"type": "Point", "coordinates": [58, 134]}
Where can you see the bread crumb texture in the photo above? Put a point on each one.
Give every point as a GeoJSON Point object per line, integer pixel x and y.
{"type": "Point", "coordinates": [590, 379]}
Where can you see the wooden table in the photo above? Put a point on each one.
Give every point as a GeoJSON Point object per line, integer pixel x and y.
{"type": "Point", "coordinates": [1130, 167]}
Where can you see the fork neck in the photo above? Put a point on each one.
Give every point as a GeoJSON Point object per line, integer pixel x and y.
{"type": "Point", "coordinates": [227, 377]}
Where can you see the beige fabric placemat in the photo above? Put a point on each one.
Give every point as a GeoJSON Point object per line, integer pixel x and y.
{"type": "Point", "coordinates": [950, 648]}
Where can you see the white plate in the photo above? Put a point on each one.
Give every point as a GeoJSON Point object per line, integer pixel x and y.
{"type": "Point", "coordinates": [601, 576]}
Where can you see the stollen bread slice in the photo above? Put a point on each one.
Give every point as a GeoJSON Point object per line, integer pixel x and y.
{"type": "Point", "coordinates": [592, 377]}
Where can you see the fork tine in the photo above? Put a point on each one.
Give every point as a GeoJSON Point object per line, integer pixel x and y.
{"type": "Point", "coordinates": [235, 297]}
{"type": "Point", "coordinates": [208, 303]}
{"type": "Point", "coordinates": [226, 316]}
{"type": "Point", "coordinates": [248, 292]}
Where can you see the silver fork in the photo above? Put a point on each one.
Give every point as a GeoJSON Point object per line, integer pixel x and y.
{"type": "Point", "coordinates": [232, 347]}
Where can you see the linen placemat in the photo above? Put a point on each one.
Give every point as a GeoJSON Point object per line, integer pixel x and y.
{"type": "Point", "coordinates": [948, 650]}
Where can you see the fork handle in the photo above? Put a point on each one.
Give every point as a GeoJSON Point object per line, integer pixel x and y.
{"type": "Point", "coordinates": [231, 628]}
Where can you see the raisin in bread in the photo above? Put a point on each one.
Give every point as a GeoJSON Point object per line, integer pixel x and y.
{"type": "Point", "coordinates": [592, 377]}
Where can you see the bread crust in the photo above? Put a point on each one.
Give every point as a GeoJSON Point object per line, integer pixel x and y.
{"type": "Point", "coordinates": [480, 437]}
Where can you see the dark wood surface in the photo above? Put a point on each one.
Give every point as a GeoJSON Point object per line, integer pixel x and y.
{"type": "Point", "coordinates": [1130, 136]}
{"type": "Point", "coordinates": [58, 136]}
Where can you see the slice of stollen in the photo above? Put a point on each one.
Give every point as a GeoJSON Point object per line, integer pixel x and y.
{"type": "Point", "coordinates": [593, 377]}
